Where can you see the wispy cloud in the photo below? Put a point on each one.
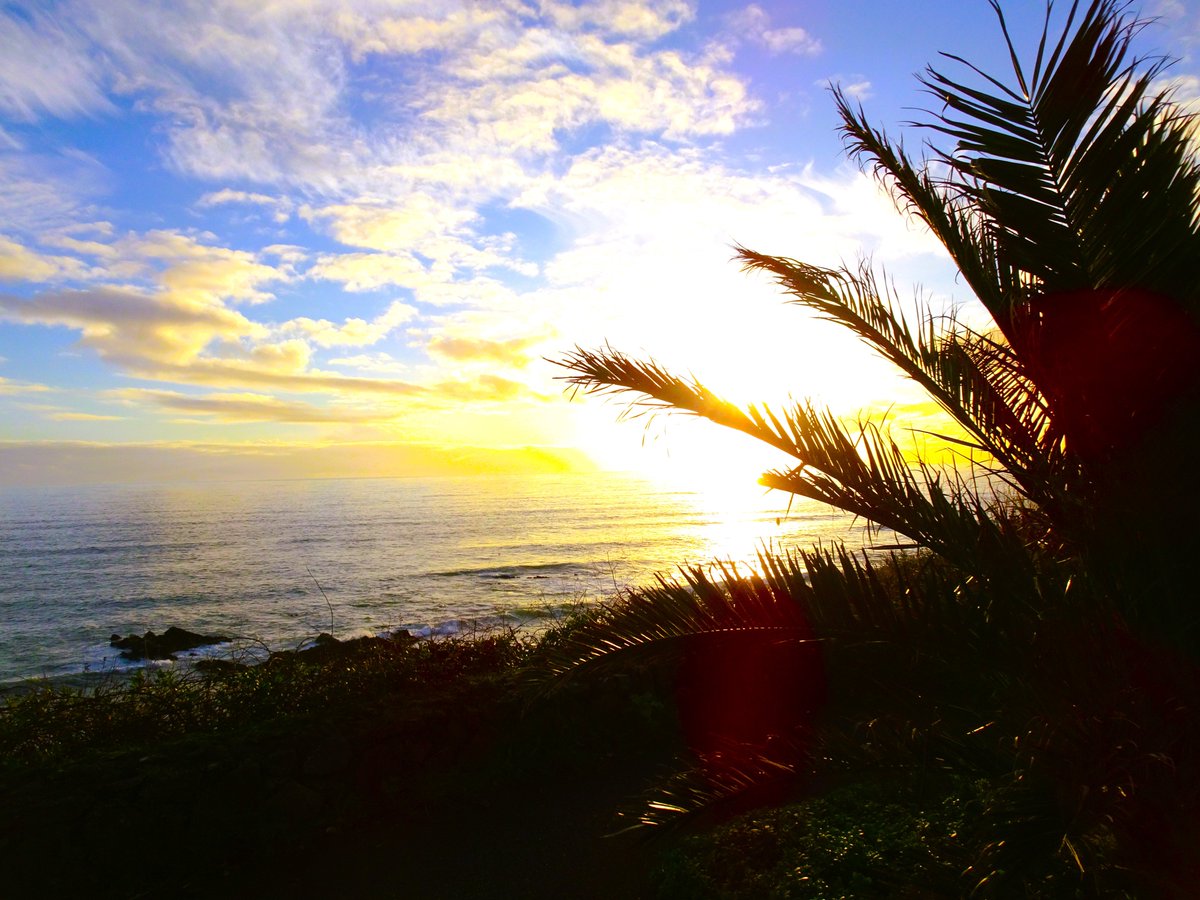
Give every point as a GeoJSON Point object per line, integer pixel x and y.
{"type": "Point", "coordinates": [244, 407]}
{"type": "Point", "coordinates": [46, 69]}
{"type": "Point", "coordinates": [10, 387]}
{"type": "Point", "coordinates": [754, 24]}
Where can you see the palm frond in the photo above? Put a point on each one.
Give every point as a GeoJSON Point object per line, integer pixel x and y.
{"type": "Point", "coordinates": [862, 471]}
{"type": "Point", "coordinates": [1005, 416]}
{"type": "Point", "coordinates": [1085, 178]}
{"type": "Point", "coordinates": [658, 623]}
{"type": "Point", "coordinates": [721, 785]}
{"type": "Point", "coordinates": [949, 215]}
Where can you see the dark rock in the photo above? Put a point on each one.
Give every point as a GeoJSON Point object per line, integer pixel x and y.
{"type": "Point", "coordinates": [162, 646]}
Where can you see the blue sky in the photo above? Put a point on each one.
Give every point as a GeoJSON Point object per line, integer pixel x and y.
{"type": "Point", "coordinates": [290, 237]}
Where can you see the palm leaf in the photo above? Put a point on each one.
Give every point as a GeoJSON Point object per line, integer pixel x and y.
{"type": "Point", "coordinates": [1085, 178]}
{"type": "Point", "coordinates": [965, 373]}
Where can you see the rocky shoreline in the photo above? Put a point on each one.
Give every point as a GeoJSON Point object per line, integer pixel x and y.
{"type": "Point", "coordinates": [163, 646]}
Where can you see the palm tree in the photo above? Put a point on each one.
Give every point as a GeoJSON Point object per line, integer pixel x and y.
{"type": "Point", "coordinates": [1044, 635]}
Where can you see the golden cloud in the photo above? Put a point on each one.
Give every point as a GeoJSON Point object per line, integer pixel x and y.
{"type": "Point", "coordinates": [511, 352]}
{"type": "Point", "coordinates": [486, 388]}
{"type": "Point", "coordinates": [19, 263]}
{"type": "Point", "coordinates": [128, 327]}
{"type": "Point", "coordinates": [9, 387]}
{"type": "Point", "coordinates": [396, 226]}
{"type": "Point", "coordinates": [83, 417]}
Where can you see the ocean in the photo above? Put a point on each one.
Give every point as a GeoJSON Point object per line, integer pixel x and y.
{"type": "Point", "coordinates": [274, 563]}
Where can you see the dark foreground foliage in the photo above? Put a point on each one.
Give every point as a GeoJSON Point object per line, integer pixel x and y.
{"type": "Point", "coordinates": [364, 768]}
{"type": "Point", "coordinates": [867, 840]}
{"type": "Point", "coordinates": [44, 723]}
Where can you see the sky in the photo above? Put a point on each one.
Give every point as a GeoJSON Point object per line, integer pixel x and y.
{"type": "Point", "coordinates": [287, 238]}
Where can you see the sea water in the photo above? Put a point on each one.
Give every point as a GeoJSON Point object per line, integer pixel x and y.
{"type": "Point", "coordinates": [275, 563]}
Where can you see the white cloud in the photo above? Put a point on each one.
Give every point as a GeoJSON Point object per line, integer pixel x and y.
{"type": "Point", "coordinates": [855, 87]}
{"type": "Point", "coordinates": [46, 69]}
{"type": "Point", "coordinates": [754, 24]}
{"type": "Point", "coordinates": [279, 207]}
{"type": "Point", "coordinates": [353, 332]}
{"type": "Point", "coordinates": [39, 194]}
{"type": "Point", "coordinates": [371, 271]}
{"type": "Point", "coordinates": [263, 91]}
{"type": "Point", "coordinates": [636, 19]}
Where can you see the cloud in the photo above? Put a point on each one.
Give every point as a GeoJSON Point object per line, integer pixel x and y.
{"type": "Point", "coordinates": [371, 271]}
{"type": "Point", "coordinates": [367, 34]}
{"type": "Point", "coordinates": [46, 69]}
{"type": "Point", "coordinates": [51, 191]}
{"type": "Point", "coordinates": [19, 263]}
{"type": "Point", "coordinates": [180, 328]}
{"type": "Point", "coordinates": [754, 24]}
{"type": "Point", "coordinates": [521, 97]}
{"type": "Point", "coordinates": [352, 332]}
{"type": "Point", "coordinates": [280, 207]}
{"type": "Point", "coordinates": [407, 223]}
{"type": "Point", "coordinates": [487, 387]}
{"type": "Point", "coordinates": [511, 352]}
{"type": "Point", "coordinates": [9, 387]}
{"type": "Point", "coordinates": [446, 154]}
{"type": "Point", "coordinates": [380, 363]}
{"type": "Point", "coordinates": [267, 95]}
{"type": "Point", "coordinates": [130, 327]}
{"type": "Point", "coordinates": [245, 407]}
{"type": "Point", "coordinates": [627, 18]}
{"type": "Point", "coordinates": [651, 271]}
{"type": "Point", "coordinates": [83, 417]}
{"type": "Point", "coordinates": [855, 87]}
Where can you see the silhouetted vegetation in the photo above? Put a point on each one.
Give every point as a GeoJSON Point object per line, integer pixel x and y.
{"type": "Point", "coordinates": [1044, 643]}
{"type": "Point", "coordinates": [355, 768]}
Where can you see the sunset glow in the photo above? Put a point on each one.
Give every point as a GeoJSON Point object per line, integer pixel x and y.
{"type": "Point", "coordinates": [304, 238]}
